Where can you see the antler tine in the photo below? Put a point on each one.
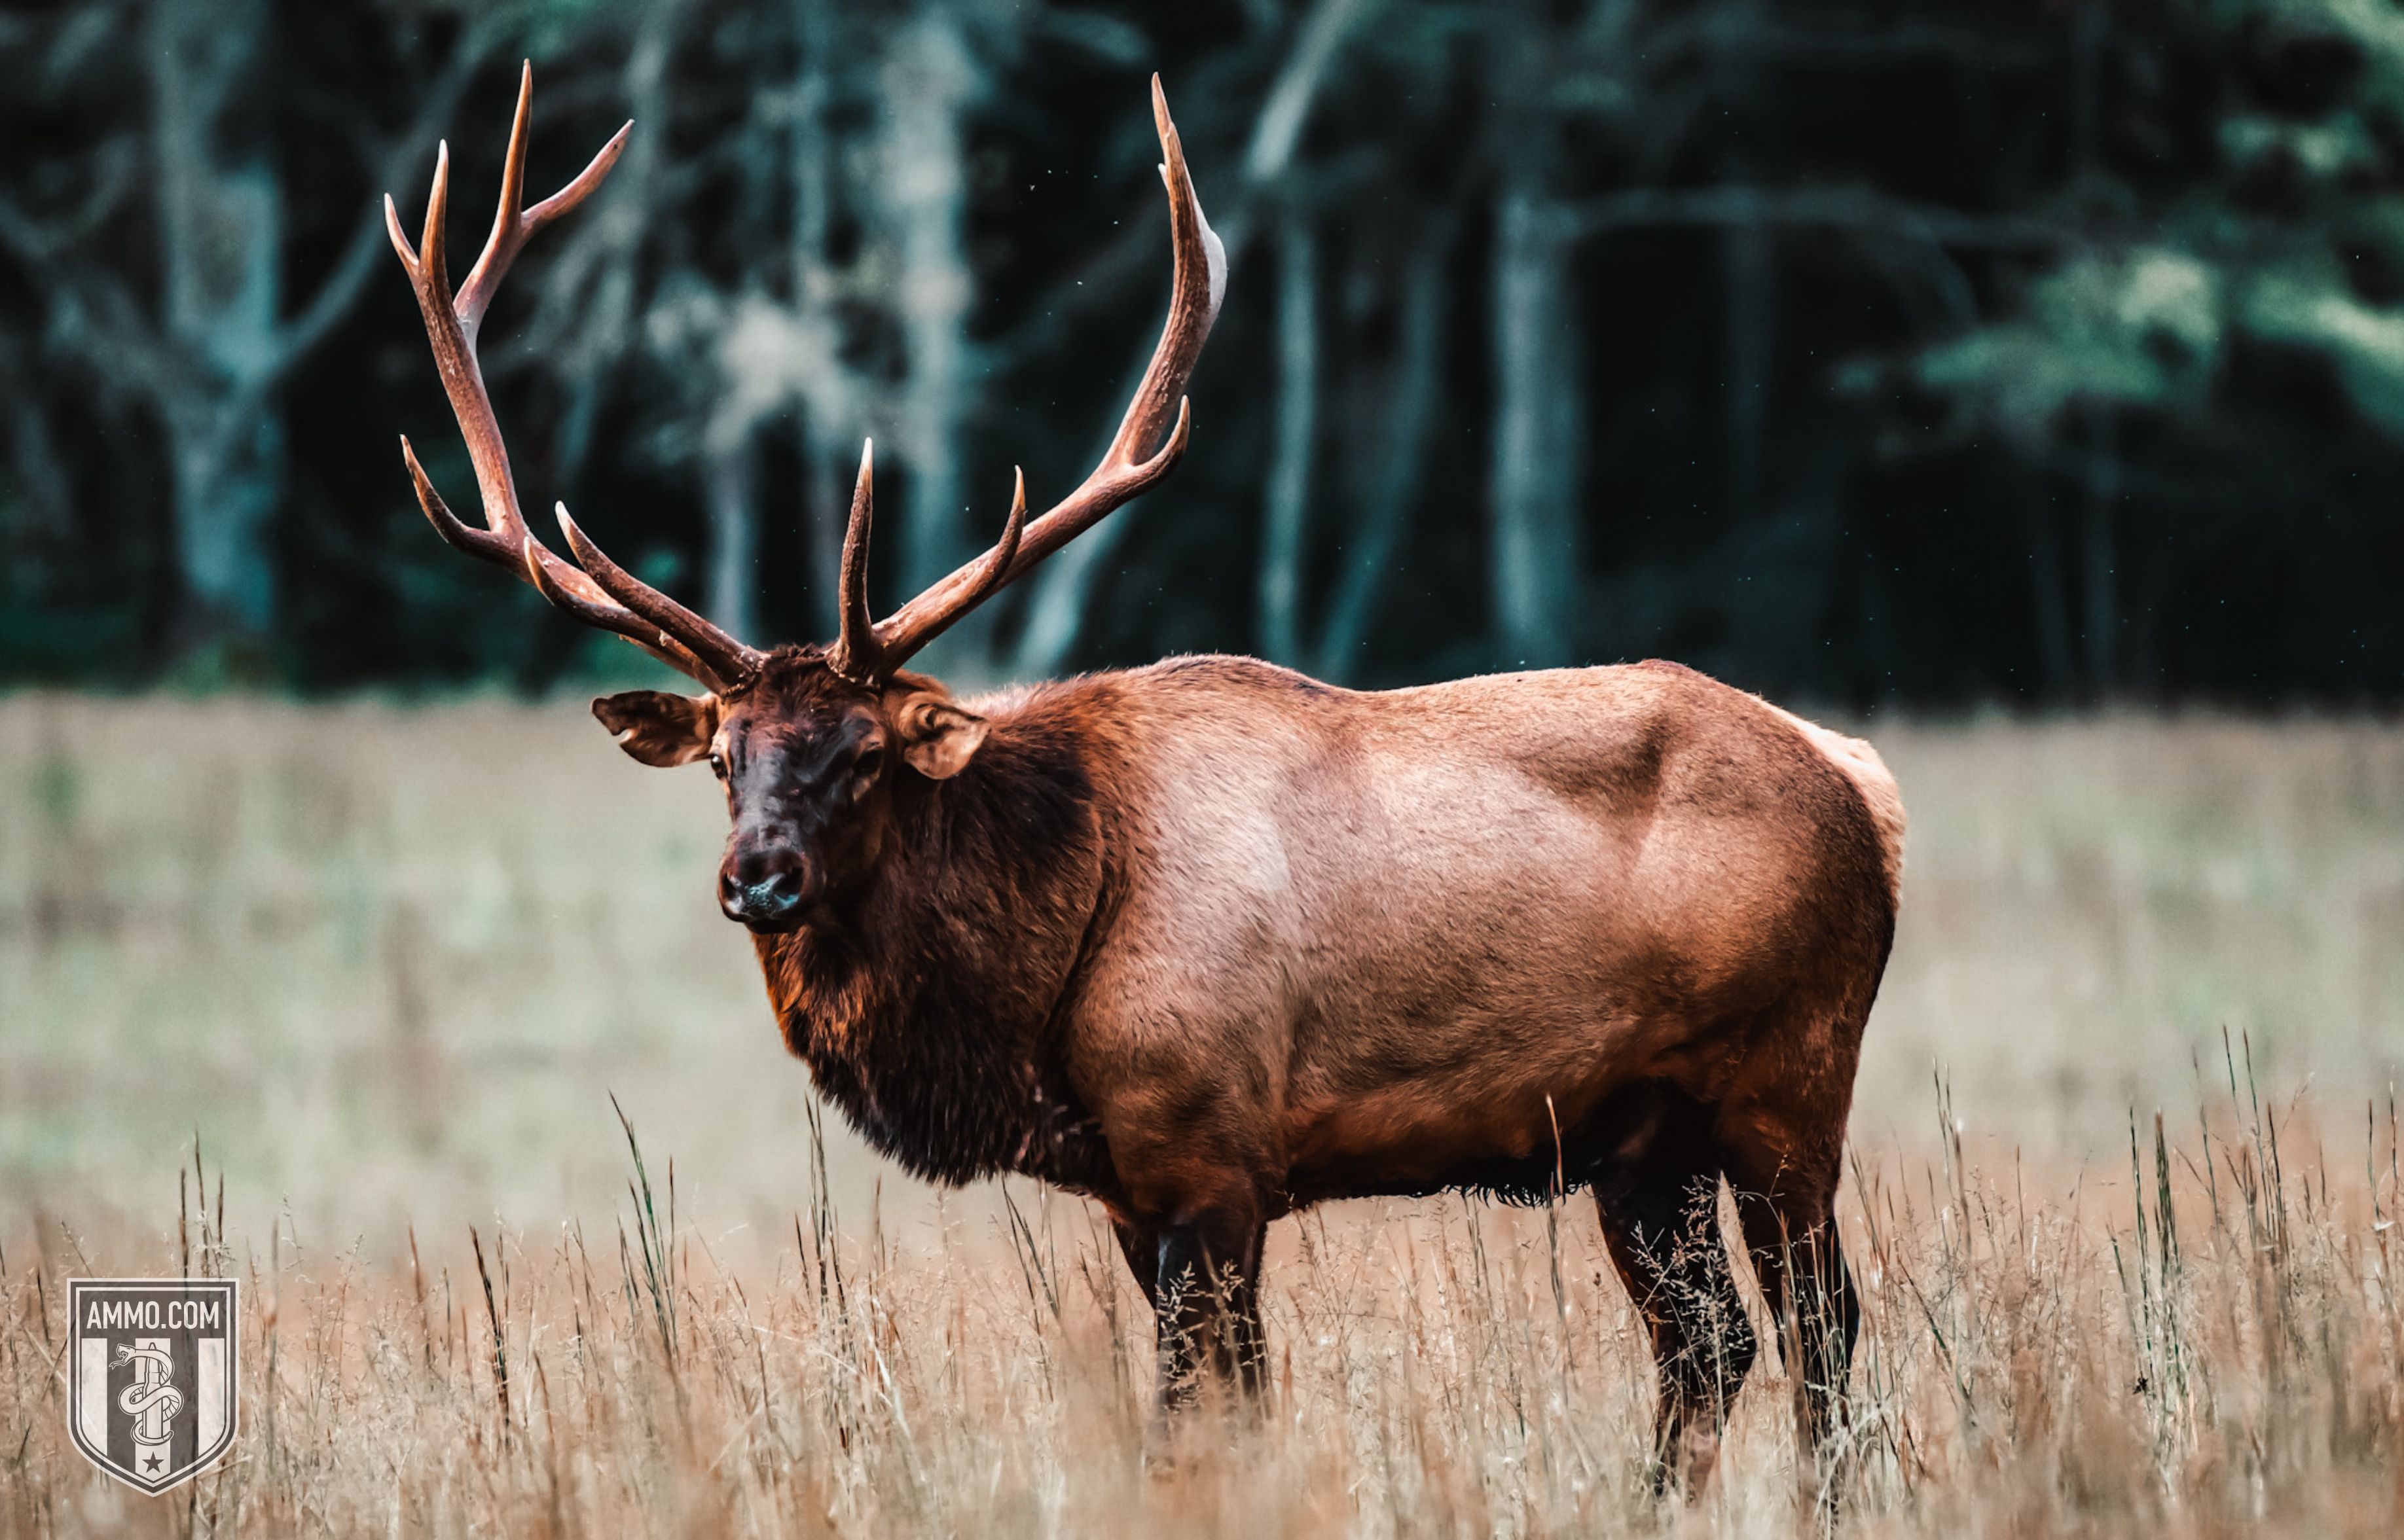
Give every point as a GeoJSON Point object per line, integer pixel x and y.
{"type": "Point", "coordinates": [660, 626]}
{"type": "Point", "coordinates": [432, 240]}
{"type": "Point", "coordinates": [1199, 285]}
{"type": "Point", "coordinates": [855, 652]}
{"type": "Point", "coordinates": [485, 544]}
{"type": "Point", "coordinates": [1014, 529]}
{"type": "Point", "coordinates": [719, 649]}
{"type": "Point", "coordinates": [513, 223]}
{"type": "Point", "coordinates": [612, 618]}
{"type": "Point", "coordinates": [565, 587]}
{"type": "Point", "coordinates": [455, 358]}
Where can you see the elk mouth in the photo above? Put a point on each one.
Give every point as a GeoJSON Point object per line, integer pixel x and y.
{"type": "Point", "coordinates": [784, 925]}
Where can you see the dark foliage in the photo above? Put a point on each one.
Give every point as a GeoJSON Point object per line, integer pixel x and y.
{"type": "Point", "coordinates": [1858, 353]}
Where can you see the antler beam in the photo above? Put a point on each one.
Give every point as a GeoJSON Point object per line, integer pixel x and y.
{"type": "Point", "coordinates": [616, 602]}
{"type": "Point", "coordinates": [1130, 468]}
{"type": "Point", "coordinates": [599, 592]}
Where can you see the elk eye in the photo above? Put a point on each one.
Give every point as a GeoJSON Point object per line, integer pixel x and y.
{"type": "Point", "coordinates": [864, 769]}
{"type": "Point", "coordinates": [718, 766]}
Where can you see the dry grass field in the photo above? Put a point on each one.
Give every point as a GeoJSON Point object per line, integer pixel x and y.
{"type": "Point", "coordinates": [386, 966]}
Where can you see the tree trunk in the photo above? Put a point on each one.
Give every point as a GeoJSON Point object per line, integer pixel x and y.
{"type": "Point", "coordinates": [1749, 319]}
{"type": "Point", "coordinates": [730, 477]}
{"type": "Point", "coordinates": [2048, 591]}
{"type": "Point", "coordinates": [2098, 560]}
{"type": "Point", "coordinates": [927, 81]}
{"type": "Point", "coordinates": [1535, 473]}
{"type": "Point", "coordinates": [42, 511]}
{"type": "Point", "coordinates": [1409, 419]}
{"type": "Point", "coordinates": [221, 244]}
{"type": "Point", "coordinates": [226, 337]}
{"type": "Point", "coordinates": [1286, 505]}
{"type": "Point", "coordinates": [593, 301]}
{"type": "Point", "coordinates": [1056, 603]}
{"type": "Point", "coordinates": [228, 478]}
{"type": "Point", "coordinates": [1056, 609]}
{"type": "Point", "coordinates": [824, 390]}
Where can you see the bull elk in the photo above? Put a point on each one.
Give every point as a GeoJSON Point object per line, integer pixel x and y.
{"type": "Point", "coordinates": [1211, 942]}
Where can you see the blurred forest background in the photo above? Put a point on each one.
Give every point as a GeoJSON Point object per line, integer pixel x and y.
{"type": "Point", "coordinates": [1927, 352]}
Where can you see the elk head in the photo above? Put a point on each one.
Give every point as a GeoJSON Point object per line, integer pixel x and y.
{"type": "Point", "coordinates": [811, 742]}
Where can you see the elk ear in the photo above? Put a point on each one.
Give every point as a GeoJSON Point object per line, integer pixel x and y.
{"type": "Point", "coordinates": [938, 738]}
{"type": "Point", "coordinates": [659, 729]}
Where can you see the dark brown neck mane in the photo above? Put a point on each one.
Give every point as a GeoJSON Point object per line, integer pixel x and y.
{"type": "Point", "coordinates": [925, 1008]}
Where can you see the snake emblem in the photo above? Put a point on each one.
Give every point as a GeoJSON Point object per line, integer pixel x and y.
{"type": "Point", "coordinates": [150, 1400]}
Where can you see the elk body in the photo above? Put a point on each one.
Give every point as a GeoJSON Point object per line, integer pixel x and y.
{"type": "Point", "coordinates": [1211, 942]}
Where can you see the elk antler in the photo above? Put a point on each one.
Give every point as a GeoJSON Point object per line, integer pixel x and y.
{"type": "Point", "coordinates": [868, 652]}
{"type": "Point", "coordinates": [604, 594]}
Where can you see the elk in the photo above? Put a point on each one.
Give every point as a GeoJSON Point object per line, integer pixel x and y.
{"type": "Point", "coordinates": [1211, 942]}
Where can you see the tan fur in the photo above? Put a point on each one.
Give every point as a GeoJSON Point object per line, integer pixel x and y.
{"type": "Point", "coordinates": [1368, 938]}
{"type": "Point", "coordinates": [1861, 762]}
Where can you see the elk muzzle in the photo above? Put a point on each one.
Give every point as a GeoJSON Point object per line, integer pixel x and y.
{"type": "Point", "coordinates": [765, 886]}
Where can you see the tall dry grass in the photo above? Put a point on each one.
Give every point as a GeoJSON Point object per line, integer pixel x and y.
{"type": "Point", "coordinates": [388, 964]}
{"type": "Point", "coordinates": [2212, 1342]}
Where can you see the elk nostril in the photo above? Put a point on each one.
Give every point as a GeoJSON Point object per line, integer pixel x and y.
{"type": "Point", "coordinates": [762, 885]}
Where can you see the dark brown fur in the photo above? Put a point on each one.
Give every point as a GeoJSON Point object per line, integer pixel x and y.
{"type": "Point", "coordinates": [929, 1011]}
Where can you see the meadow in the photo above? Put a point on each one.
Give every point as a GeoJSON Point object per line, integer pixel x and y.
{"type": "Point", "coordinates": [335, 1000]}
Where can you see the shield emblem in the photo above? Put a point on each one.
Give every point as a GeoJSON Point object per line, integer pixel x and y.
{"type": "Point", "coordinates": [151, 1392]}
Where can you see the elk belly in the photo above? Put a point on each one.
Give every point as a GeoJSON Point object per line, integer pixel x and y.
{"type": "Point", "coordinates": [1402, 1139]}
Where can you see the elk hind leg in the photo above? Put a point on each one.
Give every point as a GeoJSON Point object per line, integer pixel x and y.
{"type": "Point", "coordinates": [1784, 1178]}
{"type": "Point", "coordinates": [1657, 1193]}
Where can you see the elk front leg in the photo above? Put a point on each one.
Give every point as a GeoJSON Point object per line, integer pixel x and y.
{"type": "Point", "coordinates": [1203, 1281]}
{"type": "Point", "coordinates": [1192, 1133]}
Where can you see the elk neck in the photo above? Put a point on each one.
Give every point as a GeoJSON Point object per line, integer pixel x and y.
{"type": "Point", "coordinates": [925, 1003]}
